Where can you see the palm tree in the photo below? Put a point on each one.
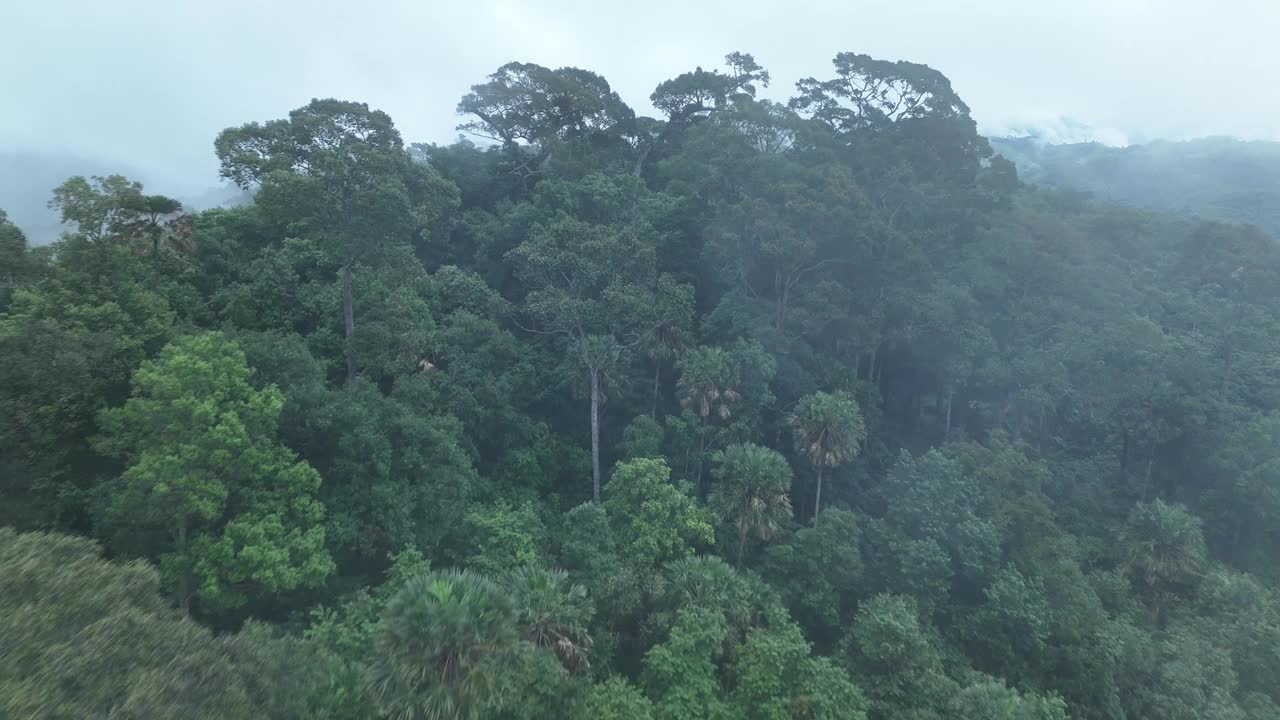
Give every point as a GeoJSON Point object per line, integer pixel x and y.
{"type": "Point", "coordinates": [751, 493]}
{"type": "Point", "coordinates": [707, 382]}
{"type": "Point", "coordinates": [707, 386]}
{"type": "Point", "coordinates": [829, 431]}
{"type": "Point", "coordinates": [552, 614]}
{"type": "Point", "coordinates": [1163, 548]}
{"type": "Point", "coordinates": [447, 648]}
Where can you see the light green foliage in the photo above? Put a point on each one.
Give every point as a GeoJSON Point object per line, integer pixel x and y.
{"type": "Point", "coordinates": [776, 679]}
{"type": "Point", "coordinates": [503, 537]}
{"type": "Point", "coordinates": [203, 465]}
{"type": "Point", "coordinates": [680, 674]}
{"type": "Point", "coordinates": [613, 699]}
{"type": "Point", "coordinates": [653, 520]}
{"type": "Point", "coordinates": [993, 701]}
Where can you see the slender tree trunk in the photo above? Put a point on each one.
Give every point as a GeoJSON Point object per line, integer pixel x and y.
{"type": "Point", "coordinates": [1124, 455]}
{"type": "Point", "coordinates": [742, 543]}
{"type": "Point", "coordinates": [657, 379]}
{"type": "Point", "coordinates": [948, 432]}
{"type": "Point", "coordinates": [595, 435]}
{"type": "Point", "coordinates": [184, 578]}
{"type": "Point", "coordinates": [817, 498]}
{"type": "Point", "coordinates": [348, 319]}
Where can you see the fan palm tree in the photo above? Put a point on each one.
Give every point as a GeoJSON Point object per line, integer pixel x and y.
{"type": "Point", "coordinates": [751, 492]}
{"type": "Point", "coordinates": [1163, 548]}
{"type": "Point", "coordinates": [447, 649]}
{"type": "Point", "coordinates": [707, 383]}
{"type": "Point", "coordinates": [707, 387]}
{"type": "Point", "coordinates": [552, 614]}
{"type": "Point", "coordinates": [829, 432]}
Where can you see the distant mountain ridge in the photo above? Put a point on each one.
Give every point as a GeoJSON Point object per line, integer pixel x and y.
{"type": "Point", "coordinates": [1213, 178]}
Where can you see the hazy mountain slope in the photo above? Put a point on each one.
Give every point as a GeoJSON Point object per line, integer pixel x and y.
{"type": "Point", "coordinates": [1216, 178]}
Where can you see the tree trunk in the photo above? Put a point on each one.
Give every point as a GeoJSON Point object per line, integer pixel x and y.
{"type": "Point", "coordinates": [184, 578]}
{"type": "Point", "coordinates": [657, 379]}
{"type": "Point", "coordinates": [948, 432]}
{"type": "Point", "coordinates": [817, 498]}
{"type": "Point", "coordinates": [348, 320]}
{"type": "Point", "coordinates": [595, 436]}
{"type": "Point", "coordinates": [742, 543]}
{"type": "Point", "coordinates": [1124, 456]}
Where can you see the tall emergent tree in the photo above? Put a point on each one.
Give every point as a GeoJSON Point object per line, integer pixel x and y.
{"type": "Point", "coordinates": [203, 468]}
{"type": "Point", "coordinates": [829, 432]}
{"type": "Point", "coordinates": [587, 279]}
{"type": "Point", "coordinates": [337, 172]}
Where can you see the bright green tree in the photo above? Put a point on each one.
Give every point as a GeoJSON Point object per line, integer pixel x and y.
{"type": "Point", "coordinates": [237, 510]}
{"type": "Point", "coordinates": [653, 519]}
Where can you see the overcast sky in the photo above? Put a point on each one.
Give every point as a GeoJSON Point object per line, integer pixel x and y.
{"type": "Point", "coordinates": [148, 83]}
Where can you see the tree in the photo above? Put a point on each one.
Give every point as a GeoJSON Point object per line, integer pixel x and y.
{"type": "Point", "coordinates": [584, 279]}
{"type": "Point", "coordinates": [16, 266]}
{"type": "Point", "coordinates": [776, 678]}
{"type": "Point", "coordinates": [896, 658]}
{"type": "Point", "coordinates": [339, 170]}
{"type": "Point", "coordinates": [553, 614]}
{"type": "Point", "coordinates": [448, 647]}
{"type": "Point", "coordinates": [751, 494]}
{"type": "Point", "coordinates": [681, 673]}
{"type": "Point", "coordinates": [829, 432]}
{"type": "Point", "coordinates": [85, 637]}
{"type": "Point", "coordinates": [1163, 550]}
{"type": "Point", "coordinates": [653, 519]}
{"type": "Point", "coordinates": [613, 699]}
{"type": "Point", "coordinates": [238, 511]}
{"type": "Point", "coordinates": [694, 96]}
{"type": "Point", "coordinates": [992, 700]}
{"type": "Point", "coordinates": [524, 105]}
{"type": "Point", "coordinates": [819, 573]}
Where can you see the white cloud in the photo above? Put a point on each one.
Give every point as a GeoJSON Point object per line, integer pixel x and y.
{"type": "Point", "coordinates": [150, 82]}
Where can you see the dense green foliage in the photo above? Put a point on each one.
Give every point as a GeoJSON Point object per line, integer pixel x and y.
{"type": "Point", "coordinates": [752, 410]}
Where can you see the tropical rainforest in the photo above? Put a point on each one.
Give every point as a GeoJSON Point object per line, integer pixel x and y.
{"type": "Point", "coordinates": [751, 409]}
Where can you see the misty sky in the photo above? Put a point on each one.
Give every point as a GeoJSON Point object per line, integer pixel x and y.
{"type": "Point", "coordinates": [148, 83]}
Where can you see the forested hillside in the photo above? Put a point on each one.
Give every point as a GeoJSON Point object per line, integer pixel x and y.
{"type": "Point", "coordinates": [1213, 178]}
{"type": "Point", "coordinates": [748, 410]}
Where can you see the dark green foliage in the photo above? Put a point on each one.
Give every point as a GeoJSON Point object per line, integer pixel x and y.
{"type": "Point", "coordinates": [515, 431]}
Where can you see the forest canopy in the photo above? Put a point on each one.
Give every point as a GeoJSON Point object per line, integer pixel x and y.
{"type": "Point", "coordinates": [750, 409]}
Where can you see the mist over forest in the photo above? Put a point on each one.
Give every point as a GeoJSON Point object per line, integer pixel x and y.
{"type": "Point", "coordinates": [772, 400]}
